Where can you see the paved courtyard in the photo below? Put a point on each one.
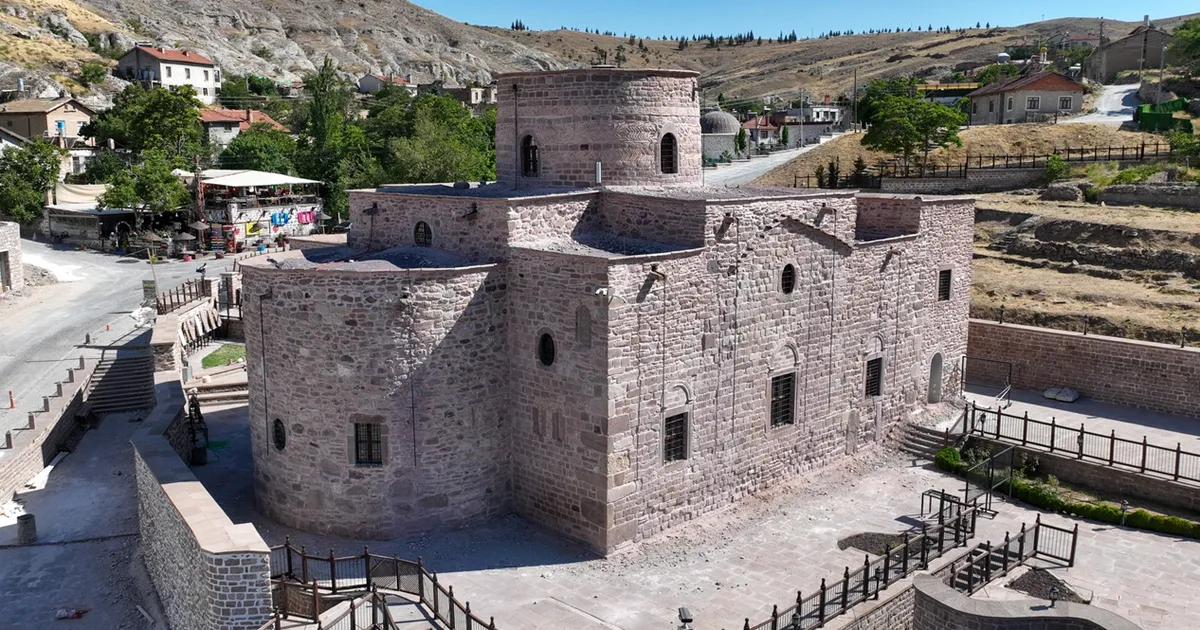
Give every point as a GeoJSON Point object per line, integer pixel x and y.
{"type": "Point", "coordinates": [732, 564]}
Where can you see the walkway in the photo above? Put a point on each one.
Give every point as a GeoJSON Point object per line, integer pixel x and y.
{"type": "Point", "coordinates": [1114, 107]}
{"type": "Point", "coordinates": [732, 564]}
{"type": "Point", "coordinates": [1099, 417]}
{"type": "Point", "coordinates": [742, 173]}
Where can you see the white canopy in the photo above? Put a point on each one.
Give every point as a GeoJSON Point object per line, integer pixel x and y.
{"type": "Point", "coordinates": [239, 179]}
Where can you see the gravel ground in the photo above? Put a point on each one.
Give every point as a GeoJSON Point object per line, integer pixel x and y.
{"type": "Point", "coordinates": [1037, 583]}
{"type": "Point", "coordinates": [38, 276]}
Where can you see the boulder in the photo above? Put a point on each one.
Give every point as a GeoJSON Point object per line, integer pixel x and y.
{"type": "Point", "coordinates": [1061, 394]}
{"type": "Point", "coordinates": [58, 24]}
{"type": "Point", "coordinates": [1062, 191]}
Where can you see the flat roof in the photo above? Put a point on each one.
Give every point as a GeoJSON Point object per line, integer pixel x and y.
{"type": "Point", "coordinates": [491, 190]}
{"type": "Point", "coordinates": [601, 245]}
{"type": "Point", "coordinates": [659, 72]}
{"type": "Point", "coordinates": [352, 259]}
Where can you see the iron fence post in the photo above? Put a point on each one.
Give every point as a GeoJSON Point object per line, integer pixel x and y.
{"type": "Point", "coordinates": [287, 551]}
{"type": "Point", "coordinates": [316, 601]}
{"type": "Point", "coordinates": [987, 562]}
{"type": "Point", "coordinates": [1025, 429]}
{"type": "Point", "coordinates": [924, 545]}
{"type": "Point", "coordinates": [1074, 540]}
{"type": "Point", "coordinates": [970, 577]}
{"type": "Point", "coordinates": [866, 576]}
{"type": "Point", "coordinates": [450, 595]}
{"type": "Point", "coordinates": [799, 611]}
{"type": "Point", "coordinates": [420, 579]}
{"type": "Point", "coordinates": [353, 617]}
{"type": "Point", "coordinates": [367, 565]}
{"type": "Point", "coordinates": [1007, 549]}
{"type": "Point", "coordinates": [775, 617]}
{"type": "Point", "coordinates": [1143, 453]}
{"type": "Point", "coordinates": [746, 626]}
{"type": "Point", "coordinates": [821, 611]}
{"type": "Point", "coordinates": [491, 623]}
{"type": "Point", "coordinates": [1052, 434]}
{"type": "Point", "coordinates": [433, 578]}
{"type": "Point", "coordinates": [1112, 446]}
{"type": "Point", "coordinates": [396, 566]}
{"type": "Point", "coordinates": [332, 572]}
{"type": "Point", "coordinates": [845, 588]}
{"type": "Point", "coordinates": [887, 557]}
{"type": "Point", "coordinates": [1037, 526]}
{"type": "Point", "coordinates": [1021, 545]}
{"type": "Point", "coordinates": [303, 565]}
{"type": "Point", "coordinates": [1178, 454]}
{"type": "Point", "coordinates": [469, 616]}
{"type": "Point", "coordinates": [1082, 432]}
{"type": "Point", "coordinates": [904, 560]}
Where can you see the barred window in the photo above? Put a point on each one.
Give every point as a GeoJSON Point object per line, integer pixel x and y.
{"type": "Point", "coordinates": [787, 280]}
{"type": "Point", "coordinates": [675, 438]}
{"type": "Point", "coordinates": [874, 377]}
{"type": "Point", "coordinates": [368, 444]}
{"type": "Point", "coordinates": [422, 235]}
{"type": "Point", "coordinates": [667, 151]}
{"type": "Point", "coordinates": [944, 277]}
{"type": "Point", "coordinates": [529, 157]}
{"type": "Point", "coordinates": [783, 399]}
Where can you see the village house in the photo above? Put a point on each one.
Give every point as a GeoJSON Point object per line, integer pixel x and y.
{"type": "Point", "coordinates": [166, 67]}
{"type": "Point", "coordinates": [760, 131]}
{"type": "Point", "coordinates": [1031, 97]}
{"type": "Point", "coordinates": [1144, 47]}
{"type": "Point", "coordinates": [221, 125]}
{"type": "Point", "coordinates": [58, 121]}
{"type": "Point", "coordinates": [372, 83]}
{"type": "Point", "coordinates": [10, 140]}
{"type": "Point", "coordinates": [596, 341]}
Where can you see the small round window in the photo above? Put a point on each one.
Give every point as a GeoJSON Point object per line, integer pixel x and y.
{"type": "Point", "coordinates": [279, 434]}
{"type": "Point", "coordinates": [787, 280]}
{"type": "Point", "coordinates": [546, 349]}
{"type": "Point", "coordinates": [422, 235]}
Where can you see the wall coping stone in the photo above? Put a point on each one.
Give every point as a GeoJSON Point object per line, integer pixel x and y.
{"type": "Point", "coordinates": [260, 264]}
{"type": "Point", "coordinates": [1091, 337]}
{"type": "Point", "coordinates": [933, 588]}
{"type": "Point", "coordinates": [632, 72]}
{"type": "Point", "coordinates": [215, 533]}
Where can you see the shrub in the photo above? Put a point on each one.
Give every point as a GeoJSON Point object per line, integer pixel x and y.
{"type": "Point", "coordinates": [948, 459]}
{"type": "Point", "coordinates": [1056, 169]}
{"type": "Point", "coordinates": [92, 72]}
{"type": "Point", "coordinates": [1136, 174]}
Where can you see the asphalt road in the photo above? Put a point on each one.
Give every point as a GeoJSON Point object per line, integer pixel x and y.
{"type": "Point", "coordinates": [1115, 106]}
{"type": "Point", "coordinates": [42, 331]}
{"type": "Point", "coordinates": [741, 173]}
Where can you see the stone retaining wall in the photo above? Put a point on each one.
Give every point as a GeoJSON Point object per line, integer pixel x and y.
{"type": "Point", "coordinates": [978, 180]}
{"type": "Point", "coordinates": [208, 571]}
{"type": "Point", "coordinates": [34, 448]}
{"type": "Point", "coordinates": [1124, 371]}
{"type": "Point", "coordinates": [936, 606]}
{"type": "Point", "coordinates": [172, 331]}
{"type": "Point", "coordinates": [10, 244]}
{"type": "Point", "coordinates": [1178, 195]}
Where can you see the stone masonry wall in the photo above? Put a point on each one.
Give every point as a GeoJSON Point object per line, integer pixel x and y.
{"type": "Point", "coordinates": [894, 614]}
{"type": "Point", "coordinates": [421, 353]}
{"type": "Point", "coordinates": [1184, 195]}
{"type": "Point", "coordinates": [10, 244]}
{"type": "Point", "coordinates": [32, 449]}
{"type": "Point", "coordinates": [613, 116]}
{"type": "Point", "coordinates": [708, 339]}
{"type": "Point", "coordinates": [978, 180]}
{"type": "Point", "coordinates": [936, 606]}
{"type": "Point", "coordinates": [208, 572]}
{"type": "Point", "coordinates": [1124, 371]}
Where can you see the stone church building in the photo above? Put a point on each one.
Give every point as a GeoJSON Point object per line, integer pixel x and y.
{"type": "Point", "coordinates": [596, 341]}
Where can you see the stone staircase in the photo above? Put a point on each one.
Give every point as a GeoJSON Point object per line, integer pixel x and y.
{"type": "Point", "coordinates": [124, 382]}
{"type": "Point", "coordinates": [922, 442]}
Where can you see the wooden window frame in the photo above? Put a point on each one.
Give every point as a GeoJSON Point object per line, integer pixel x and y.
{"type": "Point", "coordinates": [773, 407]}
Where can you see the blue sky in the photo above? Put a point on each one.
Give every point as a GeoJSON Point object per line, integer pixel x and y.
{"type": "Point", "coordinates": [655, 18]}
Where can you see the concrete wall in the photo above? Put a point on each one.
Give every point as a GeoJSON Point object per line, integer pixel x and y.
{"type": "Point", "coordinates": [1180, 195]}
{"type": "Point", "coordinates": [208, 571]}
{"type": "Point", "coordinates": [35, 125]}
{"type": "Point", "coordinates": [714, 145]}
{"type": "Point", "coordinates": [1125, 371]}
{"type": "Point", "coordinates": [614, 116]}
{"type": "Point", "coordinates": [978, 180]}
{"type": "Point", "coordinates": [936, 606]}
{"type": "Point", "coordinates": [422, 353]}
{"type": "Point", "coordinates": [34, 448]}
{"type": "Point", "coordinates": [1124, 53]}
{"type": "Point", "coordinates": [10, 249]}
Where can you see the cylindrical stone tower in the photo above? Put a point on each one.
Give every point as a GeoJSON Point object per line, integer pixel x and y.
{"type": "Point", "coordinates": [641, 126]}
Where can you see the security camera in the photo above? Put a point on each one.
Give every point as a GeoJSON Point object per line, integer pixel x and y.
{"type": "Point", "coordinates": [602, 291]}
{"type": "Point", "coordinates": [685, 615]}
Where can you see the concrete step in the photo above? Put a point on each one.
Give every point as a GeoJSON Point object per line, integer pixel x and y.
{"type": "Point", "coordinates": [222, 397]}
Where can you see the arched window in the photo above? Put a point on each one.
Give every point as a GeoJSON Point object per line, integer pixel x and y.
{"type": "Point", "coordinates": [787, 279]}
{"type": "Point", "coordinates": [529, 157]}
{"type": "Point", "coordinates": [279, 434]}
{"type": "Point", "coordinates": [546, 349]}
{"type": "Point", "coordinates": [667, 154]}
{"type": "Point", "coordinates": [422, 235]}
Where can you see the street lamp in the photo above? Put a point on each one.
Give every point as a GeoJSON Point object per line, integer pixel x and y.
{"type": "Point", "coordinates": [685, 619]}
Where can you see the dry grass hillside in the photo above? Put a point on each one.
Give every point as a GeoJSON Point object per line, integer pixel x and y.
{"type": "Point", "coordinates": [1029, 139]}
{"type": "Point", "coordinates": [821, 66]}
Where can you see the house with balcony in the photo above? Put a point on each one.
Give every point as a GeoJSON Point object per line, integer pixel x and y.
{"type": "Point", "coordinates": [167, 67]}
{"type": "Point", "coordinates": [56, 120]}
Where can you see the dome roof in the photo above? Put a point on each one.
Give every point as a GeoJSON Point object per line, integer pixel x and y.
{"type": "Point", "coordinates": [718, 121]}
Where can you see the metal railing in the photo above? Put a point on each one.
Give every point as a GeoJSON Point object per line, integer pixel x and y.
{"type": "Point", "coordinates": [985, 477]}
{"type": "Point", "coordinates": [986, 562]}
{"type": "Point", "coordinates": [175, 299]}
{"type": "Point", "coordinates": [864, 582]}
{"type": "Point", "coordinates": [1106, 449]}
{"type": "Point", "coordinates": [302, 582]}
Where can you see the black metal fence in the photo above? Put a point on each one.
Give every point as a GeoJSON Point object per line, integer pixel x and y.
{"type": "Point", "coordinates": [835, 597]}
{"type": "Point", "coordinates": [1106, 449]}
{"type": "Point", "coordinates": [987, 562]}
{"type": "Point", "coordinates": [174, 299]}
{"type": "Point", "coordinates": [303, 584]}
{"type": "Point", "coordinates": [985, 477]}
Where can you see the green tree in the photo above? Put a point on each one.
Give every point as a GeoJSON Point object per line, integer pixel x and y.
{"type": "Point", "coordinates": [157, 119]}
{"type": "Point", "coordinates": [149, 187]}
{"type": "Point", "coordinates": [996, 72]}
{"type": "Point", "coordinates": [92, 72]}
{"type": "Point", "coordinates": [26, 173]}
{"type": "Point", "coordinates": [739, 141]}
{"type": "Point", "coordinates": [1185, 45]}
{"type": "Point", "coordinates": [329, 148]}
{"type": "Point", "coordinates": [877, 90]}
{"type": "Point", "coordinates": [907, 127]}
{"type": "Point", "coordinates": [783, 136]}
{"type": "Point", "coordinates": [102, 168]}
{"type": "Point", "coordinates": [262, 147]}
{"type": "Point", "coordinates": [433, 139]}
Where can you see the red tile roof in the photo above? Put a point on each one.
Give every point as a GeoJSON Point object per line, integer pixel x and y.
{"type": "Point", "coordinates": [243, 117]}
{"type": "Point", "coordinates": [175, 56]}
{"type": "Point", "coordinates": [759, 123]}
{"type": "Point", "coordinates": [396, 80]}
{"type": "Point", "coordinates": [1030, 82]}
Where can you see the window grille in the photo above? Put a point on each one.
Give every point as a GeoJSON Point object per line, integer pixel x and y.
{"type": "Point", "coordinates": [667, 151]}
{"type": "Point", "coordinates": [944, 285]}
{"type": "Point", "coordinates": [783, 398]}
{"type": "Point", "coordinates": [675, 437]}
{"type": "Point", "coordinates": [422, 235]}
{"type": "Point", "coordinates": [529, 157]}
{"type": "Point", "coordinates": [874, 377]}
{"type": "Point", "coordinates": [787, 279]}
{"type": "Point", "coordinates": [368, 444]}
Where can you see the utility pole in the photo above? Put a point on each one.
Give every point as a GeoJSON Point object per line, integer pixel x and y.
{"type": "Point", "coordinates": [198, 192]}
{"type": "Point", "coordinates": [854, 99]}
{"type": "Point", "coordinates": [1162, 62]}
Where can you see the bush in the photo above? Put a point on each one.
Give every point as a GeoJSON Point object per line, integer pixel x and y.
{"type": "Point", "coordinates": [1136, 174]}
{"type": "Point", "coordinates": [949, 460]}
{"type": "Point", "coordinates": [92, 72]}
{"type": "Point", "coordinates": [1056, 169]}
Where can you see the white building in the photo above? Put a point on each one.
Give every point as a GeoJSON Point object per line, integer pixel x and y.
{"type": "Point", "coordinates": [372, 83]}
{"type": "Point", "coordinates": [167, 67]}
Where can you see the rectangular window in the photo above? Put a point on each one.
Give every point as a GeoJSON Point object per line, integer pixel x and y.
{"type": "Point", "coordinates": [991, 106]}
{"type": "Point", "coordinates": [944, 285]}
{"type": "Point", "coordinates": [205, 91]}
{"type": "Point", "coordinates": [783, 399]}
{"type": "Point", "coordinates": [168, 69]}
{"type": "Point", "coordinates": [675, 438]}
{"type": "Point", "coordinates": [1033, 102]}
{"type": "Point", "coordinates": [206, 75]}
{"type": "Point", "coordinates": [874, 377]}
{"type": "Point", "coordinates": [187, 73]}
{"type": "Point", "coordinates": [368, 444]}
{"type": "Point", "coordinates": [1010, 104]}
{"type": "Point", "coordinates": [1064, 102]}
{"type": "Point", "coordinates": [975, 107]}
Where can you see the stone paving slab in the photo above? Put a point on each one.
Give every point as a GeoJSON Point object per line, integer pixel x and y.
{"type": "Point", "coordinates": [735, 563]}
